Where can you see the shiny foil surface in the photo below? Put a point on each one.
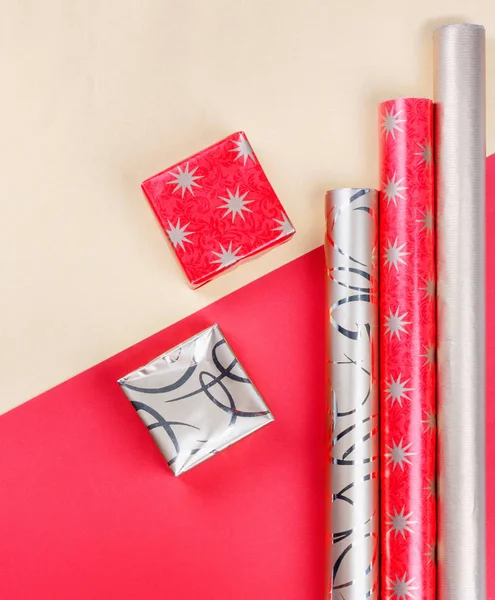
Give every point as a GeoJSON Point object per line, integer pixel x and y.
{"type": "Point", "coordinates": [352, 506]}
{"type": "Point", "coordinates": [196, 400]}
{"type": "Point", "coordinates": [407, 350]}
{"type": "Point", "coordinates": [459, 71]}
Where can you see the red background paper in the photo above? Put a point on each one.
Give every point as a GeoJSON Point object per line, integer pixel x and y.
{"type": "Point", "coordinates": [407, 497]}
{"type": "Point", "coordinates": [89, 508]}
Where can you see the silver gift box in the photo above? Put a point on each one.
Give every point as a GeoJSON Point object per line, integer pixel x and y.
{"type": "Point", "coordinates": [196, 400]}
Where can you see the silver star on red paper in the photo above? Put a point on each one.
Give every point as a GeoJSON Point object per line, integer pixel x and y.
{"type": "Point", "coordinates": [400, 522]}
{"type": "Point", "coordinates": [235, 204]}
{"type": "Point", "coordinates": [427, 221]}
{"type": "Point", "coordinates": [431, 488]}
{"type": "Point", "coordinates": [243, 149]}
{"type": "Point", "coordinates": [395, 323]}
{"type": "Point", "coordinates": [178, 235]}
{"type": "Point", "coordinates": [401, 588]}
{"type": "Point", "coordinates": [430, 421]}
{"type": "Point", "coordinates": [284, 226]}
{"type": "Point", "coordinates": [226, 256]}
{"type": "Point", "coordinates": [394, 254]}
{"type": "Point", "coordinates": [398, 455]}
{"type": "Point", "coordinates": [392, 189]}
{"type": "Point", "coordinates": [429, 288]}
{"type": "Point", "coordinates": [391, 121]}
{"type": "Point", "coordinates": [397, 390]}
{"type": "Point", "coordinates": [185, 179]}
{"type": "Point", "coordinates": [425, 153]}
{"type": "Point", "coordinates": [429, 354]}
{"type": "Point", "coordinates": [431, 554]}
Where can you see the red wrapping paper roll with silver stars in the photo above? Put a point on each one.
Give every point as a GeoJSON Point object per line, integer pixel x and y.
{"type": "Point", "coordinates": [407, 346]}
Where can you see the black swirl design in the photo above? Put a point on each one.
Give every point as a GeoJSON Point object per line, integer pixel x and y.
{"type": "Point", "coordinates": [166, 388]}
{"type": "Point", "coordinates": [209, 387]}
{"type": "Point", "coordinates": [162, 422]}
{"type": "Point", "coordinates": [352, 435]}
{"type": "Point", "coordinates": [216, 380]}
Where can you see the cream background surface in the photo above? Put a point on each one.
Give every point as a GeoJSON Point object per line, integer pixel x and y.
{"type": "Point", "coordinates": [97, 96]}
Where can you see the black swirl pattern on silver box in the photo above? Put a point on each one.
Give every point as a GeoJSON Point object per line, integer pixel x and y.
{"type": "Point", "coordinates": [352, 396]}
{"type": "Point", "coordinates": [196, 399]}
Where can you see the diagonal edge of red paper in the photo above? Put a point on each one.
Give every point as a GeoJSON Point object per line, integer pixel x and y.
{"type": "Point", "coordinates": [89, 509]}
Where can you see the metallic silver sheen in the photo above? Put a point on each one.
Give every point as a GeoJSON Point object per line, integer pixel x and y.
{"type": "Point", "coordinates": [459, 59]}
{"type": "Point", "coordinates": [352, 568]}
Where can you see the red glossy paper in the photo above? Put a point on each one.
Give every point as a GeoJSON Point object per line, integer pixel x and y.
{"type": "Point", "coordinates": [407, 314]}
{"type": "Point", "coordinates": [217, 208]}
{"type": "Point", "coordinates": [89, 510]}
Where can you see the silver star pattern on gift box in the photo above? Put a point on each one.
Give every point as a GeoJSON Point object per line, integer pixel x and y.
{"type": "Point", "coordinates": [217, 208]}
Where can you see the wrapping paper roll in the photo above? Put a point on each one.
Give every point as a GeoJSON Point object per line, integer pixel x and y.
{"type": "Point", "coordinates": [407, 350]}
{"type": "Point", "coordinates": [352, 529]}
{"type": "Point", "coordinates": [459, 69]}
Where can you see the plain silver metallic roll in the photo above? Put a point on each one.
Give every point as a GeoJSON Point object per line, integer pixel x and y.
{"type": "Point", "coordinates": [352, 524]}
{"type": "Point", "coordinates": [459, 59]}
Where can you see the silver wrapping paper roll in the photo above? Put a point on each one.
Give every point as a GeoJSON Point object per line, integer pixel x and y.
{"type": "Point", "coordinates": [352, 526]}
{"type": "Point", "coordinates": [459, 59]}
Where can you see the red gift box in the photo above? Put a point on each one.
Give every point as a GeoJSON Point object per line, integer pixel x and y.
{"type": "Point", "coordinates": [217, 208]}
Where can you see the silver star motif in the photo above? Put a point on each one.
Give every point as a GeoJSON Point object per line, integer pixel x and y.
{"type": "Point", "coordinates": [394, 254]}
{"type": "Point", "coordinates": [226, 257]}
{"type": "Point", "coordinates": [429, 354]}
{"type": "Point", "coordinates": [284, 226]}
{"type": "Point", "coordinates": [391, 122]}
{"type": "Point", "coordinates": [427, 221]}
{"type": "Point", "coordinates": [395, 323]}
{"type": "Point", "coordinates": [393, 189]}
{"type": "Point", "coordinates": [185, 179]}
{"type": "Point", "coordinates": [397, 390]}
{"type": "Point", "coordinates": [429, 288]}
{"type": "Point", "coordinates": [431, 555]}
{"type": "Point", "coordinates": [430, 421]}
{"type": "Point", "coordinates": [400, 523]}
{"type": "Point", "coordinates": [243, 149]}
{"type": "Point", "coordinates": [178, 235]}
{"type": "Point", "coordinates": [401, 588]}
{"type": "Point", "coordinates": [431, 488]}
{"type": "Point", "coordinates": [425, 153]}
{"type": "Point", "coordinates": [235, 204]}
{"type": "Point", "coordinates": [399, 454]}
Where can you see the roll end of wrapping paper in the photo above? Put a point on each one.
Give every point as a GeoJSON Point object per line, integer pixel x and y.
{"type": "Point", "coordinates": [455, 28]}
{"type": "Point", "coordinates": [407, 347]}
{"type": "Point", "coordinates": [459, 71]}
{"type": "Point", "coordinates": [352, 510]}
